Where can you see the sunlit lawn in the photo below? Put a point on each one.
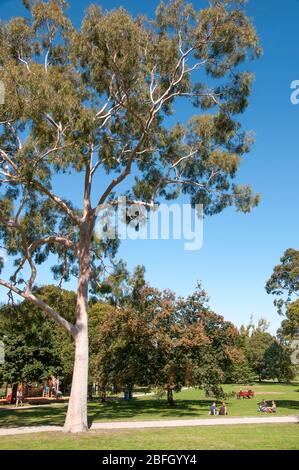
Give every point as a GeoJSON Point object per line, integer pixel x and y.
{"type": "Point", "coordinates": [190, 404]}
{"type": "Point", "coordinates": [279, 437]}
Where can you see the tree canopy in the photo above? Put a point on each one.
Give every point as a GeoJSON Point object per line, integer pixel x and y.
{"type": "Point", "coordinates": [284, 284]}
{"type": "Point", "coordinates": [163, 341]}
{"type": "Point", "coordinates": [98, 98]}
{"type": "Point", "coordinates": [285, 278]}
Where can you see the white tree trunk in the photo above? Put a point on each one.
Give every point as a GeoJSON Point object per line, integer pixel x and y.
{"type": "Point", "coordinates": [76, 419]}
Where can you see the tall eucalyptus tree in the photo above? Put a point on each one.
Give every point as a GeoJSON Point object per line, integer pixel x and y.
{"type": "Point", "coordinates": [96, 99]}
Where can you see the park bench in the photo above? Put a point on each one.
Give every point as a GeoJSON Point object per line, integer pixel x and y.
{"type": "Point", "coordinates": [248, 394]}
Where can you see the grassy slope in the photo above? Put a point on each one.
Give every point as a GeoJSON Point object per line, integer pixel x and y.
{"type": "Point", "coordinates": [282, 437]}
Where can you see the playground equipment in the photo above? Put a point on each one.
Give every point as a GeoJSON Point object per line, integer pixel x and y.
{"type": "Point", "coordinates": [48, 390]}
{"type": "Point", "coordinates": [51, 388]}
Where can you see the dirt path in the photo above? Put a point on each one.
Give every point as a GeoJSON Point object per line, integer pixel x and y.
{"type": "Point", "coordinates": [160, 424]}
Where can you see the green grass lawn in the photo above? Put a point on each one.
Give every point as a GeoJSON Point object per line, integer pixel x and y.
{"type": "Point", "coordinates": [189, 404]}
{"type": "Point", "coordinates": [278, 437]}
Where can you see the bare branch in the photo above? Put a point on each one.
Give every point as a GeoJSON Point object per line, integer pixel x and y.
{"type": "Point", "coordinates": [53, 239]}
{"type": "Point", "coordinates": [182, 181]}
{"type": "Point", "coordinates": [57, 200]}
{"type": "Point", "coordinates": [24, 62]}
{"type": "Point", "coordinates": [191, 154]}
{"type": "Point", "coordinates": [72, 329]}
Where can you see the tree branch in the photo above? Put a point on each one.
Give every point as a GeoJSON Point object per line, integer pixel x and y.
{"type": "Point", "coordinates": [57, 200]}
{"type": "Point", "coordinates": [72, 329]}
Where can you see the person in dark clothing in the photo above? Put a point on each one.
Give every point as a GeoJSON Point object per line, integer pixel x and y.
{"type": "Point", "coordinates": [223, 410]}
{"type": "Point", "coordinates": [213, 409]}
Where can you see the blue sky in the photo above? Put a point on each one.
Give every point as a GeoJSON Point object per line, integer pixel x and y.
{"type": "Point", "coordinates": [239, 251]}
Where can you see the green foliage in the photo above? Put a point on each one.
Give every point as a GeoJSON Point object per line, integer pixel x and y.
{"type": "Point", "coordinates": [155, 339]}
{"type": "Point", "coordinates": [240, 373]}
{"type": "Point", "coordinates": [35, 346]}
{"type": "Point", "coordinates": [258, 340]}
{"type": "Point", "coordinates": [285, 279]}
{"type": "Point", "coordinates": [267, 357]}
{"type": "Point", "coordinates": [289, 326]}
{"type": "Point", "coordinates": [97, 97]}
{"type": "Point", "coordinates": [149, 339]}
{"type": "Point", "coordinates": [277, 363]}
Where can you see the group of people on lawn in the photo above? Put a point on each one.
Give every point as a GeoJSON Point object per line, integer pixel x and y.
{"type": "Point", "coordinates": [262, 407]}
{"type": "Point", "coordinates": [214, 411]}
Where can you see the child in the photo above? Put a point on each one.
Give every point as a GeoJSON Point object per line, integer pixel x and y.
{"type": "Point", "coordinates": [19, 397]}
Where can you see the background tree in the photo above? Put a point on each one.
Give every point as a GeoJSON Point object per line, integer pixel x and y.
{"type": "Point", "coordinates": [35, 347]}
{"type": "Point", "coordinates": [284, 282]}
{"type": "Point", "coordinates": [121, 348]}
{"type": "Point", "coordinates": [172, 344]}
{"type": "Point", "coordinates": [96, 99]}
{"type": "Point", "coordinates": [214, 359]}
{"type": "Point", "coordinates": [240, 373]}
{"type": "Point", "coordinates": [277, 363]}
{"type": "Point", "coordinates": [256, 341]}
{"type": "Point", "coordinates": [290, 325]}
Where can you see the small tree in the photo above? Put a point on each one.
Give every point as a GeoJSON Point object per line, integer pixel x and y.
{"type": "Point", "coordinates": [96, 99]}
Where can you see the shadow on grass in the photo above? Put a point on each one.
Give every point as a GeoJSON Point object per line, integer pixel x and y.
{"type": "Point", "coordinates": [119, 410]}
{"type": "Point", "coordinates": [289, 404]}
{"type": "Point", "coordinates": [39, 416]}
{"type": "Point", "coordinates": [122, 410]}
{"type": "Point", "coordinates": [148, 409]}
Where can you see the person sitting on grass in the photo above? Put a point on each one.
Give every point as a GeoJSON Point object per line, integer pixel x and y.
{"type": "Point", "coordinates": [272, 409]}
{"type": "Point", "coordinates": [213, 409]}
{"type": "Point", "coordinates": [223, 410]}
{"type": "Point", "coordinates": [263, 405]}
